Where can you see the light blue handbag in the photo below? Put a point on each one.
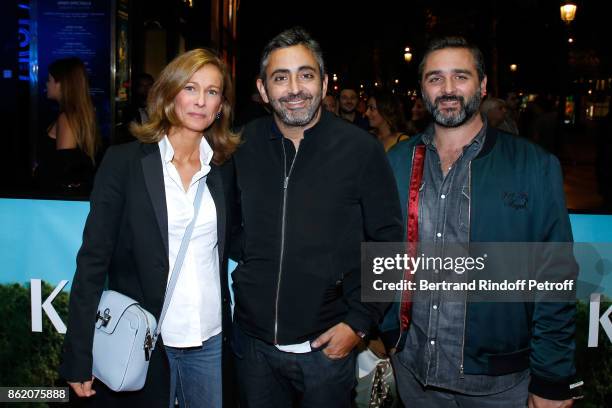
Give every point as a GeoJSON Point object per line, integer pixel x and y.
{"type": "Point", "coordinates": [125, 333]}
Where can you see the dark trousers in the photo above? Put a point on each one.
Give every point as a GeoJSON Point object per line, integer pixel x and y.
{"type": "Point", "coordinates": [270, 378]}
{"type": "Point", "coordinates": [414, 394]}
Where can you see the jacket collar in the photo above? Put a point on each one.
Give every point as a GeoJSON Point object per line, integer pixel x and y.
{"type": "Point", "coordinates": [489, 142]}
{"type": "Point", "coordinates": [154, 181]}
{"type": "Point", "coordinates": [490, 138]}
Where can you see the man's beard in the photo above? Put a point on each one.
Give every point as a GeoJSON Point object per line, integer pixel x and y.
{"type": "Point", "coordinates": [298, 117]}
{"type": "Point", "coordinates": [455, 118]}
{"type": "Point", "coordinates": [347, 112]}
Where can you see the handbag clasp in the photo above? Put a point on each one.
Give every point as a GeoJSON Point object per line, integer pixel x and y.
{"type": "Point", "coordinates": [148, 345]}
{"type": "Point", "coordinates": [105, 317]}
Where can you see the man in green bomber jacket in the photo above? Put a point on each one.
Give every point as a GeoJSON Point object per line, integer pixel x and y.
{"type": "Point", "coordinates": [480, 185]}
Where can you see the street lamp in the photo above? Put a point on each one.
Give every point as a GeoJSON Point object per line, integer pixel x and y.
{"type": "Point", "coordinates": [568, 12]}
{"type": "Point", "coordinates": [513, 67]}
{"type": "Point", "coordinates": [407, 54]}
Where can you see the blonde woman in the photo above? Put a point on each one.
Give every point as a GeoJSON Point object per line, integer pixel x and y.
{"type": "Point", "coordinates": [141, 204]}
{"type": "Point", "coordinates": [67, 157]}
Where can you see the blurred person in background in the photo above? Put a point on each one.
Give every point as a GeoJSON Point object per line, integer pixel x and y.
{"type": "Point", "coordinates": [67, 152]}
{"type": "Point", "coordinates": [136, 112]}
{"type": "Point", "coordinates": [361, 106]}
{"type": "Point", "coordinates": [546, 129]}
{"type": "Point", "coordinates": [384, 112]}
{"type": "Point", "coordinates": [496, 112]}
{"type": "Point", "coordinates": [144, 82]}
{"type": "Point", "coordinates": [419, 117]}
{"type": "Point", "coordinates": [330, 104]}
{"type": "Point", "coordinates": [513, 106]}
{"type": "Point", "coordinates": [347, 110]}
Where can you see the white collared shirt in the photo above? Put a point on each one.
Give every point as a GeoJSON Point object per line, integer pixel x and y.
{"type": "Point", "coordinates": [194, 313]}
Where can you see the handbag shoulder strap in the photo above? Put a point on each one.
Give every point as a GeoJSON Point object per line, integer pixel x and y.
{"type": "Point", "coordinates": [180, 257]}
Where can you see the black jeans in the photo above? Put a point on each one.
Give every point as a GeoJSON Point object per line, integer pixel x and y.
{"type": "Point", "coordinates": [270, 378]}
{"type": "Point", "coordinates": [415, 394]}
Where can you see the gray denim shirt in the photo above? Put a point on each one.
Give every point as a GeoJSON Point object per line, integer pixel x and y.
{"type": "Point", "coordinates": [435, 340]}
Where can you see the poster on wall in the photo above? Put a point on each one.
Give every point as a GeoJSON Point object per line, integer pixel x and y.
{"type": "Point", "coordinates": [76, 29]}
{"type": "Point", "coordinates": [122, 53]}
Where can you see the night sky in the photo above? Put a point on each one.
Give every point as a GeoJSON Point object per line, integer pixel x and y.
{"type": "Point", "coordinates": [364, 42]}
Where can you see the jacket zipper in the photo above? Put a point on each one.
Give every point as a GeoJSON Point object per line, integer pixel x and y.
{"type": "Point", "coordinates": [461, 367]}
{"type": "Point", "coordinates": [286, 176]}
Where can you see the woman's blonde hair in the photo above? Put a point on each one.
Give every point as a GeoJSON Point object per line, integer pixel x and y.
{"type": "Point", "coordinates": [160, 104]}
{"type": "Point", "coordinates": [75, 103]}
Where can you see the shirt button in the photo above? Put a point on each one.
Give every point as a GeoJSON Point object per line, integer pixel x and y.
{"type": "Point", "coordinates": [443, 196]}
{"type": "Point", "coordinates": [433, 342]}
{"type": "Point", "coordinates": [438, 235]}
{"type": "Point", "coordinates": [435, 307]}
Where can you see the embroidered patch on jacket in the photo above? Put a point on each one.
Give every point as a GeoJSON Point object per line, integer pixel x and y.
{"type": "Point", "coordinates": [518, 201]}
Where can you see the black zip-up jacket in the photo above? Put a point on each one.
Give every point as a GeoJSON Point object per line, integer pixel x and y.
{"type": "Point", "coordinates": [299, 272]}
